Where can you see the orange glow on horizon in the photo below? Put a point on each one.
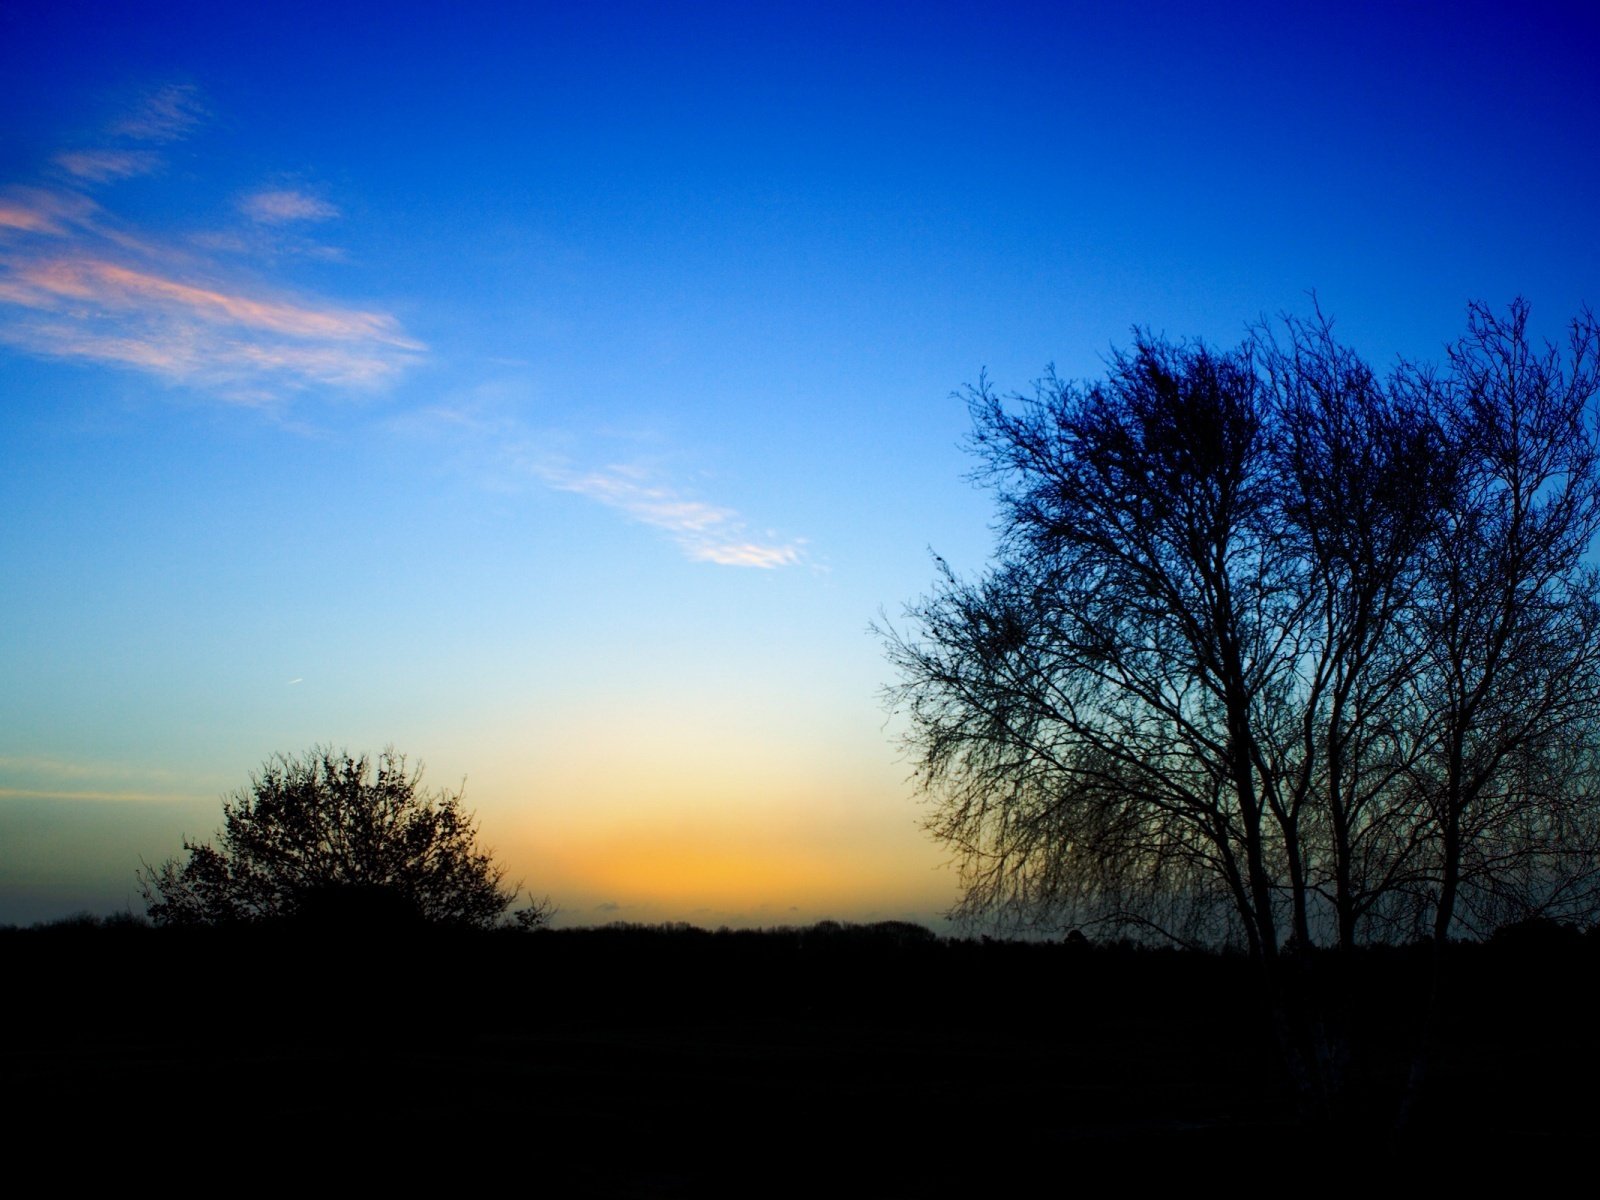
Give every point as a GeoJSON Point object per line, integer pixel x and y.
{"type": "Point", "coordinates": [746, 871]}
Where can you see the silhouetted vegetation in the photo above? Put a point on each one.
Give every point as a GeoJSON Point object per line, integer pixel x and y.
{"type": "Point", "coordinates": [326, 841]}
{"type": "Point", "coordinates": [1278, 654]}
{"type": "Point", "coordinates": [669, 1060]}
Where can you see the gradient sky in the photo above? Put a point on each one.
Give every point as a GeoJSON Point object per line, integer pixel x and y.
{"type": "Point", "coordinates": [557, 392]}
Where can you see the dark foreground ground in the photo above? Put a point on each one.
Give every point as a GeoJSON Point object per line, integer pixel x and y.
{"type": "Point", "coordinates": [853, 1061]}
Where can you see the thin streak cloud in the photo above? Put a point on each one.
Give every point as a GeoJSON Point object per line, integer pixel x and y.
{"type": "Point", "coordinates": [165, 115]}
{"type": "Point", "coordinates": [101, 311]}
{"type": "Point", "coordinates": [108, 286]}
{"type": "Point", "coordinates": [746, 554]}
{"type": "Point", "coordinates": [42, 211]}
{"type": "Point", "coordinates": [500, 446]}
{"type": "Point", "coordinates": [279, 207]}
{"type": "Point", "coordinates": [8, 793]}
{"type": "Point", "coordinates": [28, 777]}
{"type": "Point", "coordinates": [705, 532]}
{"type": "Point", "coordinates": [240, 368]}
{"type": "Point", "coordinates": [102, 166]}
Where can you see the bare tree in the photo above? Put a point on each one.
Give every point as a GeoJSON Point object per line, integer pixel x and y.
{"type": "Point", "coordinates": [1092, 713]}
{"type": "Point", "coordinates": [1363, 474]}
{"type": "Point", "coordinates": [1274, 647]}
{"type": "Point", "coordinates": [1510, 619]}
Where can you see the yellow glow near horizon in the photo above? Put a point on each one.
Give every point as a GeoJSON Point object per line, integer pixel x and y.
{"type": "Point", "coordinates": [723, 869]}
{"type": "Point", "coordinates": [701, 811]}
{"type": "Point", "coordinates": [758, 863]}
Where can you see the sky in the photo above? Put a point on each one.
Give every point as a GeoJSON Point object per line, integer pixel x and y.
{"type": "Point", "coordinates": [559, 393]}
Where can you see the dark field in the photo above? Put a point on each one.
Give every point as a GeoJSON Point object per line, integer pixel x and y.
{"type": "Point", "coordinates": [873, 1060]}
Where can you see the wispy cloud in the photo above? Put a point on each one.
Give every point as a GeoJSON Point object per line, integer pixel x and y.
{"type": "Point", "coordinates": [108, 285]}
{"type": "Point", "coordinates": [705, 532]}
{"type": "Point", "coordinates": [281, 206]}
{"type": "Point", "coordinates": [241, 369]}
{"type": "Point", "coordinates": [628, 488]}
{"type": "Point", "coordinates": [75, 304]}
{"type": "Point", "coordinates": [9, 793]}
{"type": "Point", "coordinates": [26, 777]}
{"type": "Point", "coordinates": [37, 210]}
{"type": "Point", "coordinates": [747, 554]}
{"type": "Point", "coordinates": [111, 287]}
{"type": "Point", "coordinates": [77, 283]}
{"type": "Point", "coordinates": [102, 166]}
{"type": "Point", "coordinates": [501, 447]}
{"type": "Point", "coordinates": [165, 115]}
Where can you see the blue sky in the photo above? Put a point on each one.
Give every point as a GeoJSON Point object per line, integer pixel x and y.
{"type": "Point", "coordinates": [557, 392]}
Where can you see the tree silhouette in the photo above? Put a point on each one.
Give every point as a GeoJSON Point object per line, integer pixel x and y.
{"type": "Point", "coordinates": [1510, 619]}
{"type": "Point", "coordinates": [330, 839]}
{"type": "Point", "coordinates": [1276, 651]}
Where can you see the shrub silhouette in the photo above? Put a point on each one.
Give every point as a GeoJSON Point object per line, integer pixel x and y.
{"type": "Point", "coordinates": [327, 839]}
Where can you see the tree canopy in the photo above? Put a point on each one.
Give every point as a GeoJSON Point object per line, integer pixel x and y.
{"type": "Point", "coordinates": [1275, 649]}
{"type": "Point", "coordinates": [328, 837]}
